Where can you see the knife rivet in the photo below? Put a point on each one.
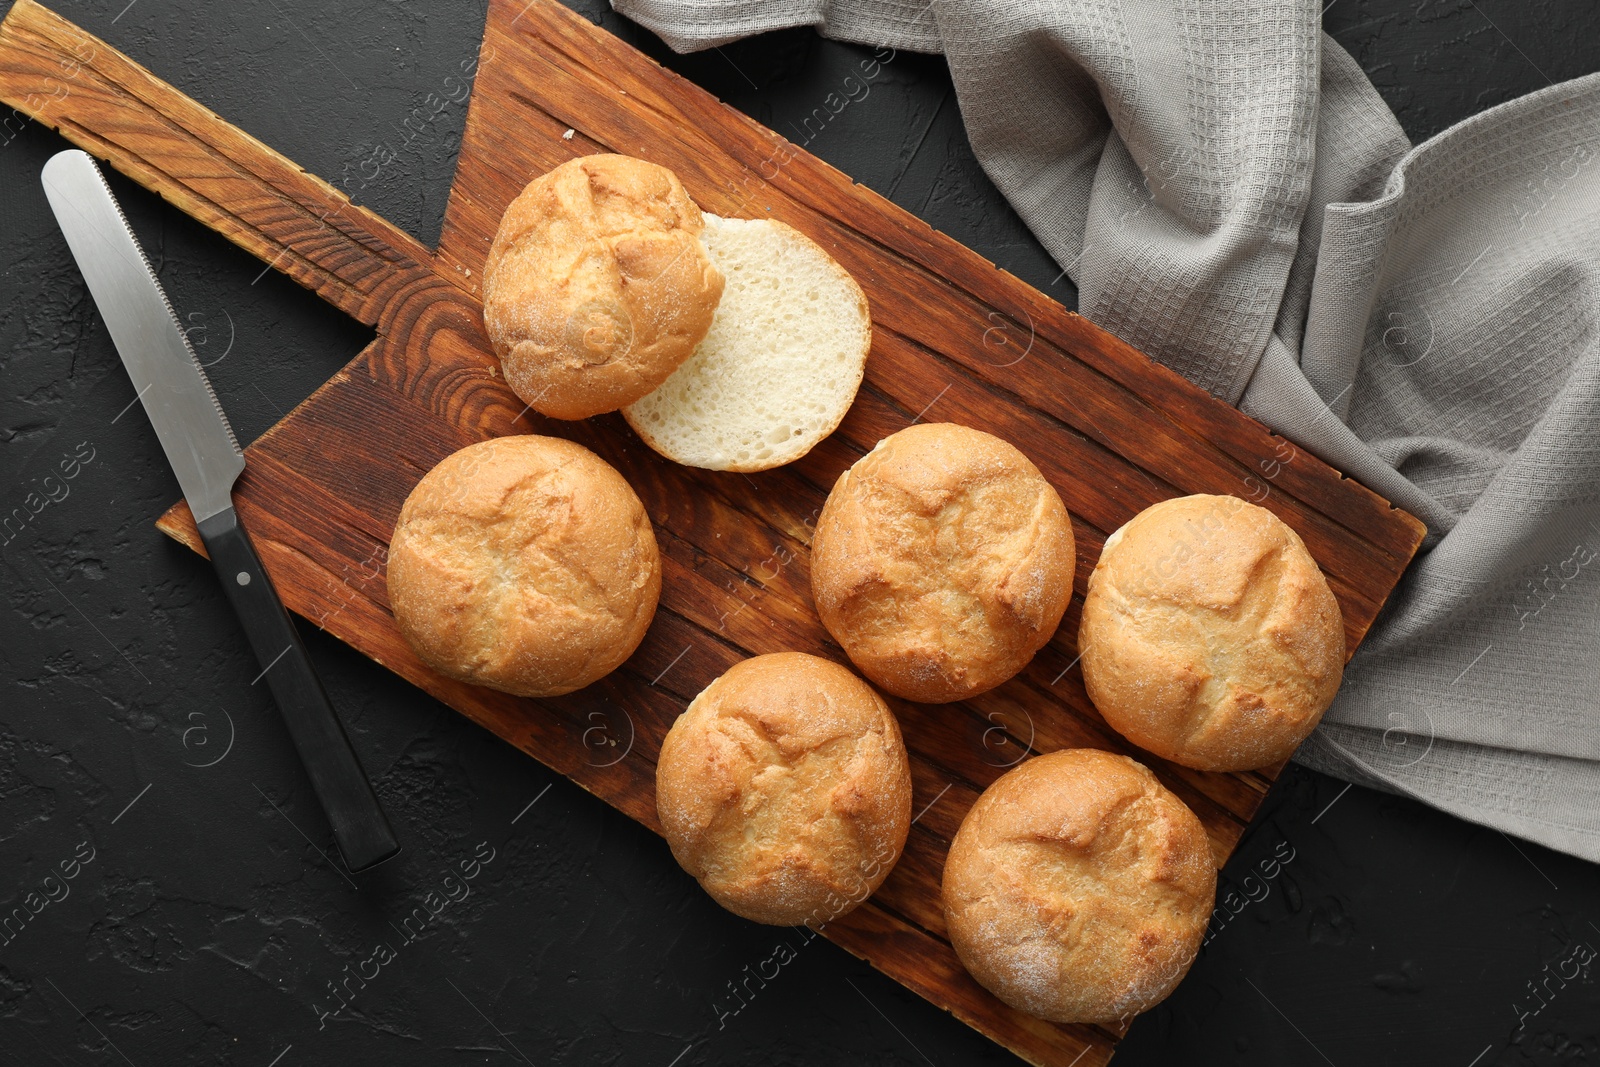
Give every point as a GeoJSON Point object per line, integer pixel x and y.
{"type": "Point", "coordinates": [243, 578]}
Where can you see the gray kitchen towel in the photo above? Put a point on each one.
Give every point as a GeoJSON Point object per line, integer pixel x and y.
{"type": "Point", "coordinates": [1232, 196]}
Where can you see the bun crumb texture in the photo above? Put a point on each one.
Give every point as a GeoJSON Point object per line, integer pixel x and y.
{"type": "Point", "coordinates": [526, 564]}
{"type": "Point", "coordinates": [785, 789]}
{"type": "Point", "coordinates": [779, 367]}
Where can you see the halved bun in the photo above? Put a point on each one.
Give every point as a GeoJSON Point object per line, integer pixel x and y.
{"type": "Point", "coordinates": [597, 286]}
{"type": "Point", "coordinates": [781, 363]}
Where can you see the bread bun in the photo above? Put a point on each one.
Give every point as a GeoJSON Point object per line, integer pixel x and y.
{"type": "Point", "coordinates": [1209, 636]}
{"type": "Point", "coordinates": [1078, 888]}
{"type": "Point", "coordinates": [784, 788]}
{"type": "Point", "coordinates": [525, 564]}
{"type": "Point", "coordinates": [781, 363]}
{"type": "Point", "coordinates": [942, 562]}
{"type": "Point", "coordinates": [597, 287]}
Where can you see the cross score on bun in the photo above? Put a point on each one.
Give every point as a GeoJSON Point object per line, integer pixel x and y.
{"type": "Point", "coordinates": [597, 287]}
{"type": "Point", "coordinates": [942, 561]}
{"type": "Point", "coordinates": [525, 564]}
{"type": "Point", "coordinates": [1209, 636]}
{"type": "Point", "coordinates": [781, 363]}
{"type": "Point", "coordinates": [1078, 888]}
{"type": "Point", "coordinates": [785, 789]}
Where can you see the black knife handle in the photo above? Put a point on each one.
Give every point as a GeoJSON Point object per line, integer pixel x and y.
{"type": "Point", "coordinates": [359, 825]}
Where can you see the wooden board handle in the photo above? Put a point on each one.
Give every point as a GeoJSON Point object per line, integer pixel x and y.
{"type": "Point", "coordinates": [114, 109]}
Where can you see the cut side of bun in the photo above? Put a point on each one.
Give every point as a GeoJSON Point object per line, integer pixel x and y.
{"type": "Point", "coordinates": [781, 363]}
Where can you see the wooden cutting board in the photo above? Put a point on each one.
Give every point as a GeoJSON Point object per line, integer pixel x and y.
{"type": "Point", "coordinates": [954, 339]}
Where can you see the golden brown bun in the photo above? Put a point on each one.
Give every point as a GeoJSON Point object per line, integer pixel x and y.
{"type": "Point", "coordinates": [1209, 636]}
{"type": "Point", "coordinates": [784, 788]}
{"type": "Point", "coordinates": [597, 286]}
{"type": "Point", "coordinates": [525, 564]}
{"type": "Point", "coordinates": [942, 562]}
{"type": "Point", "coordinates": [1078, 888]}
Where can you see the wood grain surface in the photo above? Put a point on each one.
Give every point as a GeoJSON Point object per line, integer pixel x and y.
{"type": "Point", "coordinates": [954, 339]}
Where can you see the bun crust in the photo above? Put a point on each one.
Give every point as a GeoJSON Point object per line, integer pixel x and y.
{"type": "Point", "coordinates": [1078, 888]}
{"type": "Point", "coordinates": [597, 286]}
{"type": "Point", "coordinates": [525, 564]}
{"type": "Point", "coordinates": [942, 562]}
{"type": "Point", "coordinates": [1209, 636]}
{"type": "Point", "coordinates": [785, 789]}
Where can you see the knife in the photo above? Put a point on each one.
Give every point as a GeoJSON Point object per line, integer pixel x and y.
{"type": "Point", "coordinates": [205, 456]}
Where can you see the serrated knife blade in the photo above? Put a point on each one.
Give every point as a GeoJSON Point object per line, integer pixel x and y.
{"type": "Point", "coordinates": [206, 458]}
{"type": "Point", "coordinates": [175, 392]}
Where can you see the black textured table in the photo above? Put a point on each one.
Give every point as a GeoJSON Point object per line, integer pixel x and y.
{"type": "Point", "coordinates": [177, 903]}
